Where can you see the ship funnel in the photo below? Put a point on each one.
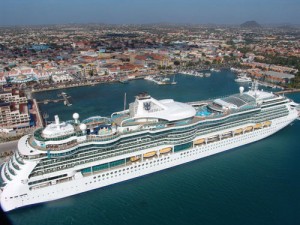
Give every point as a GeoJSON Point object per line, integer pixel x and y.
{"type": "Point", "coordinates": [57, 123]}
{"type": "Point", "coordinates": [242, 90]}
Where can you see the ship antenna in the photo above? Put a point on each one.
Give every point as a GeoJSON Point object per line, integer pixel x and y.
{"type": "Point", "coordinates": [255, 89]}
{"type": "Point", "coordinates": [125, 101]}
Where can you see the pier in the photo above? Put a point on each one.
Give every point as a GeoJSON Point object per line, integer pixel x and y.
{"type": "Point", "coordinates": [288, 91]}
{"type": "Point", "coordinates": [65, 99]}
{"type": "Point", "coordinates": [269, 85]}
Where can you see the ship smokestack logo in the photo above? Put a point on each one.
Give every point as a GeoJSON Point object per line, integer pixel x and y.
{"type": "Point", "coordinates": [147, 106]}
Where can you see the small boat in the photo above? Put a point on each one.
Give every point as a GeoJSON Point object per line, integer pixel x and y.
{"type": "Point", "coordinates": [165, 150]}
{"type": "Point", "coordinates": [199, 141]}
{"type": "Point", "coordinates": [238, 131]}
{"type": "Point", "coordinates": [215, 70]}
{"type": "Point", "coordinates": [213, 138]}
{"type": "Point", "coordinates": [243, 79]}
{"type": "Point", "coordinates": [249, 128]}
{"type": "Point", "coordinates": [258, 125]}
{"type": "Point", "coordinates": [149, 154]}
{"type": "Point", "coordinates": [267, 123]}
{"type": "Point", "coordinates": [227, 134]}
{"type": "Point", "coordinates": [135, 158]}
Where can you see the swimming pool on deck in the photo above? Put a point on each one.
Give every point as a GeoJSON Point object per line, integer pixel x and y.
{"type": "Point", "coordinates": [203, 111]}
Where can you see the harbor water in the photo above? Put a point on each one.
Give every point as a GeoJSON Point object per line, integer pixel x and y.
{"type": "Point", "coordinates": [254, 184]}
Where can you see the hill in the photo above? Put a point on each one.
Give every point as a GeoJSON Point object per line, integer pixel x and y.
{"type": "Point", "coordinates": [250, 24]}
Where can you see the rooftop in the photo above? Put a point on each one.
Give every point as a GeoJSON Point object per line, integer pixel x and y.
{"type": "Point", "coordinates": [167, 109]}
{"type": "Point", "coordinates": [279, 75]}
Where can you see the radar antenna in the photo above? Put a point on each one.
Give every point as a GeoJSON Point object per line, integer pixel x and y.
{"type": "Point", "coordinates": [125, 101]}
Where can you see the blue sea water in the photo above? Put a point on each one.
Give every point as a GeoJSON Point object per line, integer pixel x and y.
{"type": "Point", "coordinates": [254, 184]}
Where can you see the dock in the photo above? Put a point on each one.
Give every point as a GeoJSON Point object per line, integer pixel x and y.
{"type": "Point", "coordinates": [269, 85]}
{"type": "Point", "coordinates": [65, 99]}
{"type": "Point", "coordinates": [288, 91]}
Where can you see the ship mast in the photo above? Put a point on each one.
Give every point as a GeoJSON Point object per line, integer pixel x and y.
{"type": "Point", "coordinates": [125, 101]}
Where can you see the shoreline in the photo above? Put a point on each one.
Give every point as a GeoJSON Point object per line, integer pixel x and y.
{"type": "Point", "coordinates": [288, 91]}
{"type": "Point", "coordinates": [112, 81]}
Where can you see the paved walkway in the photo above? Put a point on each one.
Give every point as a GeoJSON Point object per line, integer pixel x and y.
{"type": "Point", "coordinates": [8, 146]}
{"type": "Point", "coordinates": [6, 150]}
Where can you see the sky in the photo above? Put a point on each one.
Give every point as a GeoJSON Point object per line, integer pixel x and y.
{"type": "Point", "coordinates": [34, 12]}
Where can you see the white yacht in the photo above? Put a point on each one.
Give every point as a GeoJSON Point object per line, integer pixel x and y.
{"type": "Point", "coordinates": [242, 78]}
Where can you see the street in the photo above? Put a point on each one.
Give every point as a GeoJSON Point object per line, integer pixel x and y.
{"type": "Point", "coordinates": [8, 146]}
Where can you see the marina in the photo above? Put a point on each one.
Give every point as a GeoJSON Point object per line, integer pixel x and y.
{"type": "Point", "coordinates": [161, 80]}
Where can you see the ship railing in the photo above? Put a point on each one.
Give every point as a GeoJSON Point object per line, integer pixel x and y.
{"type": "Point", "coordinates": [120, 113]}
{"type": "Point", "coordinates": [102, 138]}
{"type": "Point", "coordinates": [38, 136]}
{"type": "Point", "coordinates": [130, 146]}
{"type": "Point", "coordinates": [96, 119]}
{"type": "Point", "coordinates": [94, 158]}
{"type": "Point", "coordinates": [120, 152]}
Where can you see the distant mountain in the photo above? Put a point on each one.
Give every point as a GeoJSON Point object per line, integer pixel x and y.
{"type": "Point", "coordinates": [250, 24]}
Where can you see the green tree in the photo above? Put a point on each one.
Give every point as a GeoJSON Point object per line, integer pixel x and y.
{"type": "Point", "coordinates": [91, 73]}
{"type": "Point", "coordinates": [176, 63]}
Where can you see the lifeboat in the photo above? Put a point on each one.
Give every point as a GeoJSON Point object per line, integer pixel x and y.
{"type": "Point", "coordinates": [249, 128]}
{"type": "Point", "coordinates": [135, 158]}
{"type": "Point", "coordinates": [226, 135]}
{"type": "Point", "coordinates": [258, 125]}
{"type": "Point", "coordinates": [149, 154]}
{"type": "Point", "coordinates": [165, 150]}
{"type": "Point", "coordinates": [238, 131]}
{"type": "Point", "coordinates": [199, 141]}
{"type": "Point", "coordinates": [267, 123]}
{"type": "Point", "coordinates": [213, 138]}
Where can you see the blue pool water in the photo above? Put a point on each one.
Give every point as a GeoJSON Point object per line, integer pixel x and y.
{"type": "Point", "coordinates": [203, 111]}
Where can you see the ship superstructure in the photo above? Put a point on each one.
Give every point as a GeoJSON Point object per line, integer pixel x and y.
{"type": "Point", "coordinates": [67, 158]}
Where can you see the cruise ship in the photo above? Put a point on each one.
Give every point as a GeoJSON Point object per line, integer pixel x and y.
{"type": "Point", "coordinates": [72, 157]}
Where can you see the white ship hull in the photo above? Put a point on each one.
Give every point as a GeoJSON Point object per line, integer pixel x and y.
{"type": "Point", "coordinates": [81, 183]}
